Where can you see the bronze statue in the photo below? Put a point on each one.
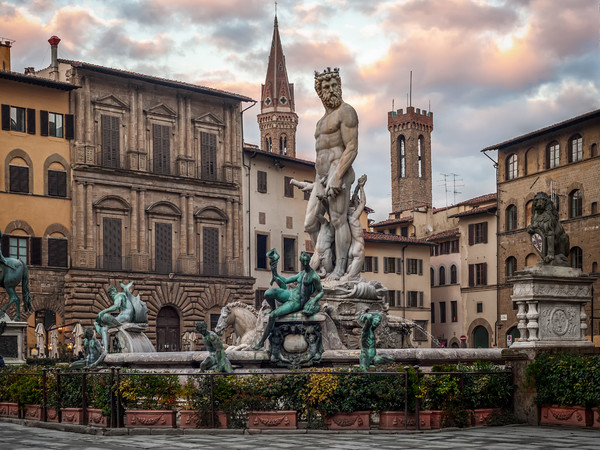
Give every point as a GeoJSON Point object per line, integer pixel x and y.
{"type": "Point", "coordinates": [547, 234]}
{"type": "Point", "coordinates": [368, 352]}
{"type": "Point", "coordinates": [94, 353]}
{"type": "Point", "coordinates": [216, 359]}
{"type": "Point", "coordinates": [293, 300]}
{"type": "Point", "coordinates": [12, 272]}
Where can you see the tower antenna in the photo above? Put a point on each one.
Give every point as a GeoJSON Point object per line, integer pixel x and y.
{"type": "Point", "coordinates": [392, 104]}
{"type": "Point", "coordinates": [275, 8]}
{"type": "Point", "coordinates": [410, 90]}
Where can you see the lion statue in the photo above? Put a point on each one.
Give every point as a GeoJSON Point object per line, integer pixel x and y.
{"type": "Point", "coordinates": [544, 221]}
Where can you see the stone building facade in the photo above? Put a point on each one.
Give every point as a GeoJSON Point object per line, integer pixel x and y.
{"type": "Point", "coordinates": [563, 161]}
{"type": "Point", "coordinates": [157, 197]}
{"type": "Point", "coordinates": [410, 150]}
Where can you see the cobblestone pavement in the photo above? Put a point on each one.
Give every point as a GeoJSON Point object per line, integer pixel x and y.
{"type": "Point", "coordinates": [14, 436]}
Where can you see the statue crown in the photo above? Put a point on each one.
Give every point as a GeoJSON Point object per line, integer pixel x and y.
{"type": "Point", "coordinates": [328, 71]}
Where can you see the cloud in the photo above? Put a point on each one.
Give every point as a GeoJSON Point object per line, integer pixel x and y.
{"type": "Point", "coordinates": [237, 35]}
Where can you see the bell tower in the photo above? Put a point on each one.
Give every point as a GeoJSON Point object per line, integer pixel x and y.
{"type": "Point", "coordinates": [277, 120]}
{"type": "Point", "coordinates": [410, 134]}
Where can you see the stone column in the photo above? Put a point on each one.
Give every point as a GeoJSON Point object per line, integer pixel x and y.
{"type": "Point", "coordinates": [134, 221]}
{"type": "Point", "coordinates": [80, 216]}
{"type": "Point", "coordinates": [142, 221]}
{"type": "Point", "coordinates": [188, 127]}
{"type": "Point", "coordinates": [183, 225]}
{"type": "Point", "coordinates": [190, 225]}
{"type": "Point", "coordinates": [89, 235]}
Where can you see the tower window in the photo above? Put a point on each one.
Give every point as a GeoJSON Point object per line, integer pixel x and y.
{"type": "Point", "coordinates": [511, 167]}
{"type": "Point", "coordinates": [420, 154]}
{"type": "Point", "coordinates": [576, 203]}
{"type": "Point", "coordinates": [402, 156]}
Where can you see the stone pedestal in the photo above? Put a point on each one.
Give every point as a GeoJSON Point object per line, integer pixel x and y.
{"type": "Point", "coordinates": [129, 338]}
{"type": "Point", "coordinates": [551, 307]}
{"type": "Point", "coordinates": [12, 341]}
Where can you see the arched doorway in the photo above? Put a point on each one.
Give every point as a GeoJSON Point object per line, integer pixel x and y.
{"type": "Point", "coordinates": [514, 333]}
{"type": "Point", "coordinates": [481, 337]}
{"type": "Point", "coordinates": [167, 330]}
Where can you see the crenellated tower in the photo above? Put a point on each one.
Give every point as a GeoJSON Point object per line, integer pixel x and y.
{"type": "Point", "coordinates": [277, 120]}
{"type": "Point", "coordinates": [410, 149]}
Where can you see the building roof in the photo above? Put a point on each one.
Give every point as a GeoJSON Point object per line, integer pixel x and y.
{"type": "Point", "coordinates": [255, 150]}
{"type": "Point", "coordinates": [444, 235]}
{"type": "Point", "coordinates": [474, 211]}
{"type": "Point", "coordinates": [478, 200]}
{"type": "Point", "coordinates": [157, 80]}
{"type": "Point", "coordinates": [13, 76]}
{"type": "Point", "coordinates": [393, 238]}
{"type": "Point", "coordinates": [542, 131]}
{"type": "Point", "coordinates": [393, 221]}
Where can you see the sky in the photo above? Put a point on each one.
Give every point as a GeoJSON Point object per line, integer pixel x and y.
{"type": "Point", "coordinates": [490, 70]}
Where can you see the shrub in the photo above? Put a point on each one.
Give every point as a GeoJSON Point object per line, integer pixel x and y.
{"type": "Point", "coordinates": [26, 386]}
{"type": "Point", "coordinates": [148, 391]}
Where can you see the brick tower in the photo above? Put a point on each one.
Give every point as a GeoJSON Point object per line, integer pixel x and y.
{"type": "Point", "coordinates": [410, 149]}
{"type": "Point", "coordinates": [277, 120]}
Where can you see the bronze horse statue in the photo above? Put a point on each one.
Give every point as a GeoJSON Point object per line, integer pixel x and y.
{"type": "Point", "coordinates": [9, 279]}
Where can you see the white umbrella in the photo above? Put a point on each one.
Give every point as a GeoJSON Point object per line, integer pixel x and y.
{"type": "Point", "coordinates": [189, 338]}
{"type": "Point", "coordinates": [77, 333]}
{"type": "Point", "coordinates": [53, 344]}
{"type": "Point", "coordinates": [40, 337]}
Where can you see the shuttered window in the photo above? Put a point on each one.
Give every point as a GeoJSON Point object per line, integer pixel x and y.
{"type": "Point", "coordinates": [289, 254]}
{"type": "Point", "coordinates": [162, 148]}
{"type": "Point", "coordinates": [208, 156]}
{"type": "Point", "coordinates": [478, 274]}
{"type": "Point", "coordinates": [478, 233]}
{"type": "Point", "coordinates": [163, 247]}
{"type": "Point", "coordinates": [30, 121]}
{"type": "Point", "coordinates": [110, 141]}
{"type": "Point", "coordinates": [261, 251]}
{"type": "Point", "coordinates": [57, 183]}
{"type": "Point", "coordinates": [261, 182]}
{"type": "Point", "coordinates": [19, 179]}
{"type": "Point", "coordinates": [210, 244]}
{"type": "Point", "coordinates": [112, 244]}
{"type": "Point", "coordinates": [58, 250]}
{"type": "Point", "coordinates": [288, 189]}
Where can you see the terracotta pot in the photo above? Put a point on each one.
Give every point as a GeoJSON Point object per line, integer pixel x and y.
{"type": "Point", "coordinates": [435, 419]}
{"type": "Point", "coordinates": [482, 416]}
{"type": "Point", "coordinates": [273, 420]}
{"type": "Point", "coordinates": [9, 409]}
{"type": "Point", "coordinates": [139, 418]}
{"type": "Point", "coordinates": [74, 416]}
{"type": "Point", "coordinates": [190, 419]}
{"type": "Point", "coordinates": [51, 415]}
{"type": "Point", "coordinates": [95, 418]}
{"type": "Point", "coordinates": [32, 412]}
{"type": "Point", "coordinates": [596, 418]}
{"type": "Point", "coordinates": [394, 420]}
{"type": "Point", "coordinates": [577, 416]}
{"type": "Point", "coordinates": [357, 420]}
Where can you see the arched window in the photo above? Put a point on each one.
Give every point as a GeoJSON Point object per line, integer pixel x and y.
{"type": "Point", "coordinates": [281, 145]}
{"type": "Point", "coordinates": [420, 155]}
{"type": "Point", "coordinates": [528, 212]}
{"type": "Point", "coordinates": [285, 145]}
{"type": "Point", "coordinates": [401, 157]}
{"type": "Point", "coordinates": [576, 258]}
{"type": "Point", "coordinates": [594, 150]}
{"type": "Point", "coordinates": [576, 203]}
{"type": "Point", "coordinates": [552, 155]}
{"type": "Point", "coordinates": [511, 167]}
{"type": "Point", "coordinates": [453, 274]}
{"type": "Point", "coordinates": [594, 267]}
{"type": "Point", "coordinates": [511, 218]}
{"type": "Point", "coordinates": [511, 266]}
{"type": "Point", "coordinates": [442, 276]}
{"type": "Point", "coordinates": [575, 148]}
{"type": "Point", "coordinates": [432, 276]}
{"type": "Point", "coordinates": [19, 172]}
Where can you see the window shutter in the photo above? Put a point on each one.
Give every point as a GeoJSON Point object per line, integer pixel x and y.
{"type": "Point", "coordinates": [484, 274]}
{"type": "Point", "coordinates": [398, 265]}
{"type": "Point", "coordinates": [471, 274]}
{"type": "Point", "coordinates": [30, 121]}
{"type": "Point", "coordinates": [485, 232]}
{"type": "Point", "coordinates": [385, 264]}
{"type": "Point", "coordinates": [61, 184]}
{"type": "Point", "coordinates": [19, 179]}
{"type": "Point", "coordinates": [36, 251]}
{"type": "Point", "coordinates": [53, 182]}
{"type": "Point", "coordinates": [261, 181]}
{"type": "Point", "coordinates": [420, 267]}
{"type": "Point", "coordinates": [69, 126]}
{"type": "Point", "coordinates": [5, 245]}
{"type": "Point", "coordinates": [375, 264]}
{"type": "Point", "coordinates": [6, 117]}
{"type": "Point", "coordinates": [471, 234]}
{"type": "Point", "coordinates": [208, 143]}
{"type": "Point", "coordinates": [58, 252]}
{"type": "Point", "coordinates": [44, 123]}
{"type": "Point", "coordinates": [421, 299]}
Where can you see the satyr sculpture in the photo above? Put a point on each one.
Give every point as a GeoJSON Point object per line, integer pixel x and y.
{"type": "Point", "coordinates": [93, 351]}
{"type": "Point", "coordinates": [547, 234]}
{"type": "Point", "coordinates": [131, 310]}
{"type": "Point", "coordinates": [12, 272]}
{"type": "Point", "coordinates": [336, 148]}
{"type": "Point", "coordinates": [216, 359]}
{"type": "Point", "coordinates": [293, 300]}
{"type": "Point", "coordinates": [368, 353]}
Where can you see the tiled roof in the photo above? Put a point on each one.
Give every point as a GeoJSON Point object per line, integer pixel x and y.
{"type": "Point", "coordinates": [478, 200]}
{"type": "Point", "coordinates": [369, 210]}
{"type": "Point", "coordinates": [156, 80]}
{"type": "Point", "coordinates": [38, 81]}
{"type": "Point", "coordinates": [542, 131]}
{"type": "Point", "coordinates": [444, 235]}
{"type": "Point", "coordinates": [393, 238]}
{"type": "Point", "coordinates": [250, 148]}
{"type": "Point", "coordinates": [393, 221]}
{"type": "Point", "coordinates": [472, 212]}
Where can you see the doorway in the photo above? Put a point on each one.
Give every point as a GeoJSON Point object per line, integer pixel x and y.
{"type": "Point", "coordinates": [481, 337]}
{"type": "Point", "coordinates": [167, 330]}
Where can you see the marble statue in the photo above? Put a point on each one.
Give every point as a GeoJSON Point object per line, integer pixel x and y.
{"type": "Point", "coordinates": [356, 253]}
{"type": "Point", "coordinates": [368, 353]}
{"type": "Point", "coordinates": [336, 148]}
{"type": "Point", "coordinates": [93, 351]}
{"type": "Point", "coordinates": [12, 272]}
{"type": "Point", "coordinates": [293, 300]}
{"type": "Point", "coordinates": [189, 341]}
{"type": "Point", "coordinates": [547, 234]}
{"type": "Point", "coordinates": [216, 359]}
{"type": "Point", "coordinates": [53, 344]}
{"type": "Point", "coordinates": [131, 310]}
{"type": "Point", "coordinates": [40, 340]}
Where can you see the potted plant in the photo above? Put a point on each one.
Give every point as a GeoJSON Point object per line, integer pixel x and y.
{"type": "Point", "coordinates": [149, 399]}
{"type": "Point", "coordinates": [71, 397]}
{"type": "Point", "coordinates": [25, 389]}
{"type": "Point", "coordinates": [98, 400]}
{"type": "Point", "coordinates": [197, 410]}
{"type": "Point", "coordinates": [266, 403]}
{"type": "Point", "coordinates": [486, 394]}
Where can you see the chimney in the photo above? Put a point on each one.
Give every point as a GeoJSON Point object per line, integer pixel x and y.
{"type": "Point", "coordinates": [5, 45]}
{"type": "Point", "coordinates": [54, 40]}
{"type": "Point", "coordinates": [29, 70]}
